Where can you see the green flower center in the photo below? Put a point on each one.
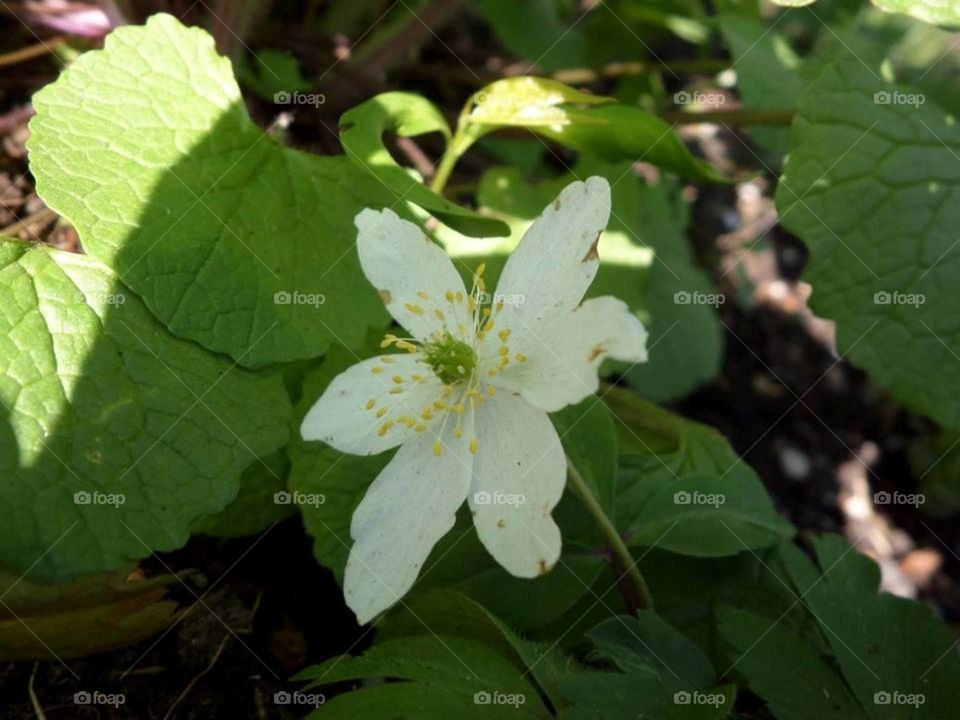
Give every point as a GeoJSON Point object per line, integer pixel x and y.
{"type": "Point", "coordinates": [451, 359]}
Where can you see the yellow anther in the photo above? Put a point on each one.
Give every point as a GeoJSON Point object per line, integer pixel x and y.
{"type": "Point", "coordinates": [381, 412]}
{"type": "Point", "coordinates": [500, 306]}
{"type": "Point", "coordinates": [504, 351]}
{"type": "Point", "coordinates": [439, 404]}
{"type": "Point", "coordinates": [492, 372]}
{"type": "Point", "coordinates": [387, 359]}
{"type": "Point", "coordinates": [384, 428]}
{"type": "Point", "coordinates": [472, 304]}
{"type": "Point", "coordinates": [422, 295]}
{"type": "Point", "coordinates": [491, 390]}
{"type": "Point", "coordinates": [415, 309]}
{"type": "Point", "coordinates": [397, 379]}
{"type": "Point", "coordinates": [482, 268]}
{"type": "Point", "coordinates": [417, 378]}
{"type": "Point", "coordinates": [396, 390]}
{"type": "Point", "coordinates": [473, 446]}
{"type": "Point", "coordinates": [504, 361]}
{"type": "Point", "coordinates": [427, 414]}
{"type": "Point", "coordinates": [521, 358]}
{"type": "Point", "coordinates": [370, 403]}
{"type": "Point", "coordinates": [437, 448]}
{"type": "Point", "coordinates": [459, 408]}
{"type": "Point", "coordinates": [458, 433]}
{"type": "Point", "coordinates": [420, 428]}
{"type": "Point", "coordinates": [410, 423]}
{"type": "Point", "coordinates": [404, 345]}
{"type": "Point", "coordinates": [376, 370]}
{"type": "Point", "coordinates": [504, 334]}
{"type": "Point", "coordinates": [488, 326]}
{"type": "Point", "coordinates": [449, 295]}
{"type": "Point", "coordinates": [439, 315]}
{"type": "Point", "coordinates": [459, 296]}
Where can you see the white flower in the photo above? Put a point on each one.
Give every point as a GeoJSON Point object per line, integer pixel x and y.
{"type": "Point", "coordinates": [467, 401]}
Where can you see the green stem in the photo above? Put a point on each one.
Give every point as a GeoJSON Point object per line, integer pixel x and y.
{"type": "Point", "coordinates": [443, 170]}
{"type": "Point", "coordinates": [620, 549]}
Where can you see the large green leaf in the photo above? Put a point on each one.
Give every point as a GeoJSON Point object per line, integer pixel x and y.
{"type": "Point", "coordinates": [115, 436]}
{"type": "Point", "coordinates": [871, 187]}
{"type": "Point", "coordinates": [683, 489]}
{"type": "Point", "coordinates": [785, 669]}
{"type": "Point", "coordinates": [897, 657]}
{"type": "Point", "coordinates": [230, 238]}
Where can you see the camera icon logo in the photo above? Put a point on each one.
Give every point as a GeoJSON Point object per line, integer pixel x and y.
{"type": "Point", "coordinates": [282, 697]}
{"type": "Point", "coordinates": [682, 97]}
{"type": "Point", "coordinates": [82, 498]}
{"type": "Point", "coordinates": [681, 697]}
{"type": "Point", "coordinates": [82, 698]}
{"type": "Point", "coordinates": [282, 497]}
{"type": "Point", "coordinates": [482, 498]}
{"type": "Point", "coordinates": [681, 497]}
{"type": "Point", "coordinates": [281, 98]}
{"type": "Point", "coordinates": [481, 697]}
{"type": "Point", "coordinates": [881, 498]}
{"type": "Point", "coordinates": [881, 697]}
{"type": "Point", "coordinates": [881, 97]}
{"type": "Point", "coordinates": [281, 298]}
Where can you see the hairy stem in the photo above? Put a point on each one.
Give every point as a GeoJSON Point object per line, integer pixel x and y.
{"type": "Point", "coordinates": [644, 599]}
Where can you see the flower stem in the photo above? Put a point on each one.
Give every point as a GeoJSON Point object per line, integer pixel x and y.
{"type": "Point", "coordinates": [644, 599]}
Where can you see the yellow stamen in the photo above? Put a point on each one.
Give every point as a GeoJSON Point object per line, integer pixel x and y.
{"type": "Point", "coordinates": [422, 295]}
{"type": "Point", "coordinates": [381, 412]}
{"type": "Point", "coordinates": [473, 446]}
{"type": "Point", "coordinates": [415, 309]}
{"type": "Point", "coordinates": [437, 448]}
{"type": "Point", "coordinates": [504, 334]}
{"type": "Point", "coordinates": [370, 403]}
{"type": "Point", "coordinates": [521, 358]}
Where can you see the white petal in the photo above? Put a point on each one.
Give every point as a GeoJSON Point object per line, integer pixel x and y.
{"type": "Point", "coordinates": [404, 265]}
{"type": "Point", "coordinates": [408, 508]}
{"type": "Point", "coordinates": [562, 369]}
{"type": "Point", "coordinates": [519, 475]}
{"type": "Point", "coordinates": [345, 418]}
{"type": "Point", "coordinates": [547, 275]}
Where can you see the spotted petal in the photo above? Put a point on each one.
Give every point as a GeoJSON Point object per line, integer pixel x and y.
{"type": "Point", "coordinates": [408, 508]}
{"type": "Point", "coordinates": [562, 368]}
{"type": "Point", "coordinates": [519, 475]}
{"type": "Point", "coordinates": [548, 274]}
{"type": "Point", "coordinates": [364, 399]}
{"type": "Point", "coordinates": [415, 277]}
